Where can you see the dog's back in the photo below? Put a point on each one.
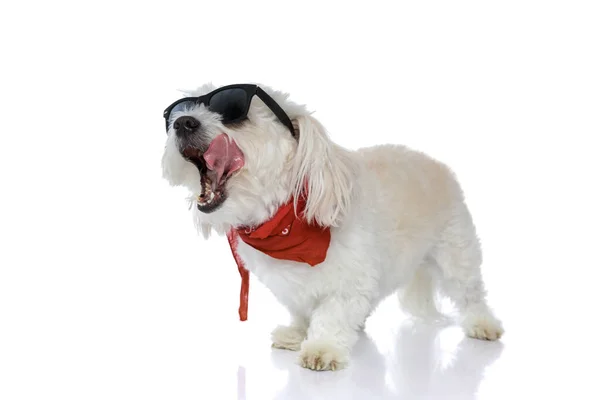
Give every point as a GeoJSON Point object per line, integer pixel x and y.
{"type": "Point", "coordinates": [416, 190]}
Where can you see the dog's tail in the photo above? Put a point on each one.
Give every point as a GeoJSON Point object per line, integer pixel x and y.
{"type": "Point", "coordinates": [419, 297]}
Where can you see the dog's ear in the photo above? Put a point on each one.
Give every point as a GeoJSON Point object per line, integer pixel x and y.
{"type": "Point", "coordinates": [323, 172]}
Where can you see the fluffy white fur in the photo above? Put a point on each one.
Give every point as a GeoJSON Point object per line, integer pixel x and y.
{"type": "Point", "coordinates": [398, 221]}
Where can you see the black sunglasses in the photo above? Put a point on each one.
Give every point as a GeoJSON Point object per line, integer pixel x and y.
{"type": "Point", "coordinates": [232, 102]}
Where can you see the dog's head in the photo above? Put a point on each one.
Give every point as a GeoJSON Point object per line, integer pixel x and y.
{"type": "Point", "coordinates": [240, 172]}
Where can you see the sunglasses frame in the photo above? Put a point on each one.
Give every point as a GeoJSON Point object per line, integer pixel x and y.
{"type": "Point", "coordinates": [250, 90]}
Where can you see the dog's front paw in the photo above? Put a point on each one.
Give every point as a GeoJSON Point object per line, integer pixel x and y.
{"type": "Point", "coordinates": [288, 337]}
{"type": "Point", "coordinates": [322, 355]}
{"type": "Point", "coordinates": [483, 326]}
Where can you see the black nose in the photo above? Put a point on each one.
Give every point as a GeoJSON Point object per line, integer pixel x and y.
{"type": "Point", "coordinates": [186, 125]}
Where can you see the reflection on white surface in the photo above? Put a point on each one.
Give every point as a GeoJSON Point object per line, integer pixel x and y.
{"type": "Point", "coordinates": [425, 362]}
{"type": "Point", "coordinates": [422, 367]}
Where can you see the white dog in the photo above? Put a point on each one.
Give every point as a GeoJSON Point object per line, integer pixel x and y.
{"type": "Point", "coordinates": [384, 219]}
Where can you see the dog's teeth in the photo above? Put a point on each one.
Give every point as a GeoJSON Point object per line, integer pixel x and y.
{"type": "Point", "coordinates": [206, 201]}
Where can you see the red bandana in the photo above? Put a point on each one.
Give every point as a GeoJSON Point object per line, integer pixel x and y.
{"type": "Point", "coordinates": [285, 237]}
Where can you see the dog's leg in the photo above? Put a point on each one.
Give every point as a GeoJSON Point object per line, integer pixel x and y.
{"type": "Point", "coordinates": [290, 337]}
{"type": "Point", "coordinates": [332, 332]}
{"type": "Point", "coordinates": [458, 255]}
{"type": "Point", "coordinates": [417, 298]}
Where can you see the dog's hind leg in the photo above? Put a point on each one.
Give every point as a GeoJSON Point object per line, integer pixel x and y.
{"type": "Point", "coordinates": [418, 298]}
{"type": "Point", "coordinates": [458, 255]}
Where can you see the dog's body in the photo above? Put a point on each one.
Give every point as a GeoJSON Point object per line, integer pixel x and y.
{"type": "Point", "coordinates": [398, 223]}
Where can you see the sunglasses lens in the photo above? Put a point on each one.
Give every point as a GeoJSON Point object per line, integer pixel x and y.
{"type": "Point", "coordinates": [230, 103]}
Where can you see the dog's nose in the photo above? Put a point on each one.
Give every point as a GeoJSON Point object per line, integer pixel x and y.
{"type": "Point", "coordinates": [186, 125]}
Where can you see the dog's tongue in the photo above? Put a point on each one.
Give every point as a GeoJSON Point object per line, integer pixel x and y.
{"type": "Point", "coordinates": [223, 155]}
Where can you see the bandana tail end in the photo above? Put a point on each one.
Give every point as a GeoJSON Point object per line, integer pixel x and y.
{"type": "Point", "coordinates": [244, 274]}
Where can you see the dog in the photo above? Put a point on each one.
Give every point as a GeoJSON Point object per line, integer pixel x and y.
{"type": "Point", "coordinates": [330, 231]}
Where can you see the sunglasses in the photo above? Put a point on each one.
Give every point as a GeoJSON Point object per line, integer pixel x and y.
{"type": "Point", "coordinates": [232, 102]}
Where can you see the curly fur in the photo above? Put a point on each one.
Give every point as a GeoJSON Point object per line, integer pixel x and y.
{"type": "Point", "coordinates": [398, 220]}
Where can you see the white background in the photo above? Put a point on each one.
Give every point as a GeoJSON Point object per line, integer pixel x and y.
{"type": "Point", "coordinates": [106, 290]}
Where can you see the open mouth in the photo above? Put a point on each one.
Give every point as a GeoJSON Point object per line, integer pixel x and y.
{"type": "Point", "coordinates": [215, 165]}
{"type": "Point", "coordinates": [212, 190]}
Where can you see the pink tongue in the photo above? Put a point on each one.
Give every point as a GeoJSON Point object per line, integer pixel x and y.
{"type": "Point", "coordinates": [223, 155]}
